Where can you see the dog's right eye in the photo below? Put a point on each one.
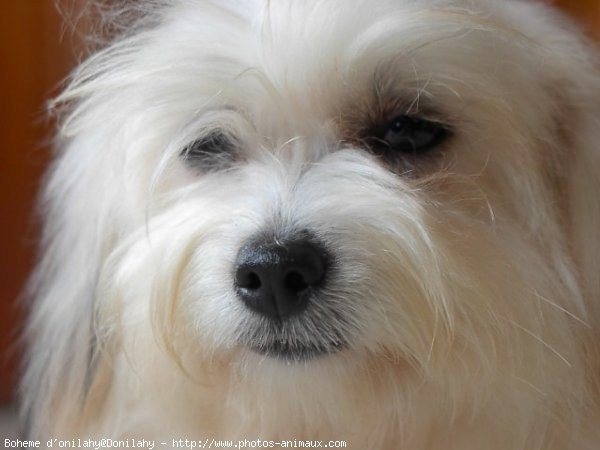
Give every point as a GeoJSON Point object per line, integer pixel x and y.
{"type": "Point", "coordinates": [407, 136]}
{"type": "Point", "coordinates": [212, 152]}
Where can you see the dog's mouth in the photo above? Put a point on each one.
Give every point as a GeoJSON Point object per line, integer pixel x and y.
{"type": "Point", "coordinates": [323, 329]}
{"type": "Point", "coordinates": [296, 352]}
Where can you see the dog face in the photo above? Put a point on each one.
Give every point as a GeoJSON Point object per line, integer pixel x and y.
{"type": "Point", "coordinates": [317, 203]}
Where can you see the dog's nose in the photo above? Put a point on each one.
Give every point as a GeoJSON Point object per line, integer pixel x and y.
{"type": "Point", "coordinates": [277, 279]}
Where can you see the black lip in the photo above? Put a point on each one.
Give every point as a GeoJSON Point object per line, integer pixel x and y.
{"type": "Point", "coordinates": [297, 352]}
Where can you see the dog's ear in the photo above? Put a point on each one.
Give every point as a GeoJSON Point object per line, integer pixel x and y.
{"type": "Point", "coordinates": [578, 126]}
{"type": "Point", "coordinates": [582, 162]}
{"type": "Point", "coordinates": [569, 68]}
{"type": "Point", "coordinates": [65, 371]}
{"type": "Point", "coordinates": [63, 359]}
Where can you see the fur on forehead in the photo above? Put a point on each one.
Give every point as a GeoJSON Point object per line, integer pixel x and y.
{"type": "Point", "coordinates": [321, 77]}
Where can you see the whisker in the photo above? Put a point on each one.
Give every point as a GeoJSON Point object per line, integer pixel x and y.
{"type": "Point", "coordinates": [567, 312]}
{"type": "Point", "coordinates": [541, 341]}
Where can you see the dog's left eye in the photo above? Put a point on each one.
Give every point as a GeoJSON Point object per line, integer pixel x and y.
{"type": "Point", "coordinates": [407, 135]}
{"type": "Point", "coordinates": [212, 152]}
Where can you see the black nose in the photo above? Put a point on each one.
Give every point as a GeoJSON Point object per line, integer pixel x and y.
{"type": "Point", "coordinates": [277, 279]}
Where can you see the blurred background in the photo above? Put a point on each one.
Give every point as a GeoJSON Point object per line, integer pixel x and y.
{"type": "Point", "coordinates": [37, 51]}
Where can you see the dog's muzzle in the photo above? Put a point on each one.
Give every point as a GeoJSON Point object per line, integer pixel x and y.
{"type": "Point", "coordinates": [282, 281]}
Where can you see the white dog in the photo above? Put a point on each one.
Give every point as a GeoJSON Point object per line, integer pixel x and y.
{"type": "Point", "coordinates": [375, 222]}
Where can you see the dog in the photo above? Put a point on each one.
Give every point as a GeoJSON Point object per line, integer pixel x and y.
{"type": "Point", "coordinates": [335, 222]}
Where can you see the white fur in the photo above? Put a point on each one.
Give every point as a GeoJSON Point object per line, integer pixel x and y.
{"type": "Point", "coordinates": [468, 289]}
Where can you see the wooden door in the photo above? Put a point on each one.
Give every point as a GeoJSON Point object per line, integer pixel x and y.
{"type": "Point", "coordinates": [32, 62]}
{"type": "Point", "coordinates": [586, 11]}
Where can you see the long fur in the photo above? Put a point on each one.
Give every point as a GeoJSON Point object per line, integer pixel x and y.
{"type": "Point", "coordinates": [468, 288]}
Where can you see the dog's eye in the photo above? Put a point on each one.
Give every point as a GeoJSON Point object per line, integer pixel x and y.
{"type": "Point", "coordinates": [212, 152]}
{"type": "Point", "coordinates": [406, 135]}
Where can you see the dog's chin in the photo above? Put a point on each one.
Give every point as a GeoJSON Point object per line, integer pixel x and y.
{"type": "Point", "coordinates": [294, 352]}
